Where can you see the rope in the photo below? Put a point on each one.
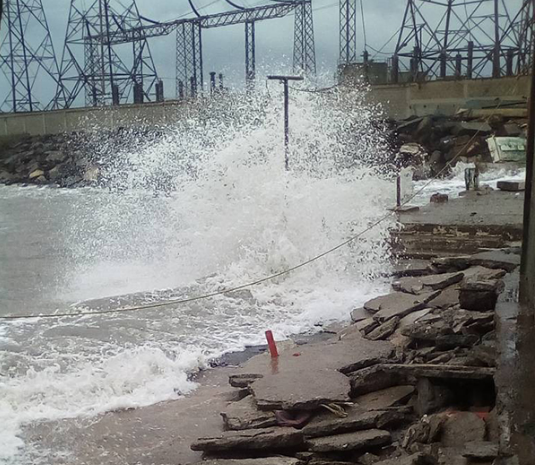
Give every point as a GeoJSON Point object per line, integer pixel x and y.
{"type": "Point", "coordinates": [267, 278]}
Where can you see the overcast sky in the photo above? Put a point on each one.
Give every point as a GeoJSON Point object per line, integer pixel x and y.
{"type": "Point", "coordinates": [224, 47]}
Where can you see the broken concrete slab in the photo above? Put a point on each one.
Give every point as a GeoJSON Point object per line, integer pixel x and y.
{"type": "Point", "coordinates": [385, 398]}
{"type": "Point", "coordinates": [448, 298]}
{"type": "Point", "coordinates": [373, 379]}
{"type": "Point", "coordinates": [512, 186]}
{"type": "Point", "coordinates": [278, 460]}
{"type": "Point", "coordinates": [245, 415]}
{"type": "Point", "coordinates": [496, 259]}
{"type": "Point", "coordinates": [481, 450]}
{"type": "Point", "coordinates": [350, 441]}
{"type": "Point", "coordinates": [306, 390]}
{"type": "Point", "coordinates": [367, 325]}
{"type": "Point", "coordinates": [243, 380]}
{"type": "Point", "coordinates": [398, 304]}
{"type": "Point", "coordinates": [413, 317]}
{"type": "Point", "coordinates": [256, 439]}
{"type": "Point", "coordinates": [420, 285]}
{"type": "Point", "coordinates": [359, 314]}
{"type": "Point", "coordinates": [326, 423]}
{"type": "Point", "coordinates": [383, 331]}
{"type": "Point", "coordinates": [462, 428]}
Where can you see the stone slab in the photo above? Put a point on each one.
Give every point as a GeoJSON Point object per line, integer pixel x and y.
{"type": "Point", "coordinates": [254, 439]}
{"type": "Point", "coordinates": [358, 440]}
{"type": "Point", "coordinates": [385, 398]}
{"type": "Point", "coordinates": [246, 415]}
{"type": "Point", "coordinates": [375, 378]}
{"type": "Point", "coordinates": [384, 330]}
{"type": "Point", "coordinates": [480, 273]}
{"type": "Point", "coordinates": [303, 390]}
{"type": "Point", "coordinates": [496, 259]}
{"type": "Point", "coordinates": [438, 371]}
{"type": "Point", "coordinates": [398, 304]}
{"type": "Point", "coordinates": [279, 460]}
{"type": "Point", "coordinates": [326, 423]}
{"type": "Point", "coordinates": [481, 450]}
{"type": "Point", "coordinates": [512, 186]}
{"type": "Point", "coordinates": [420, 285]}
{"type": "Point", "coordinates": [359, 314]}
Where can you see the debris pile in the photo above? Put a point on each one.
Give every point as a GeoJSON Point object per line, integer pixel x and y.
{"type": "Point", "coordinates": [410, 382]}
{"type": "Point", "coordinates": [430, 143]}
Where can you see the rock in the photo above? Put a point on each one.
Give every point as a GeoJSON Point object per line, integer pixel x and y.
{"type": "Point", "coordinates": [368, 459]}
{"type": "Point", "coordinates": [413, 317]}
{"type": "Point", "coordinates": [451, 263]}
{"type": "Point", "coordinates": [448, 298]}
{"type": "Point", "coordinates": [431, 396]}
{"type": "Point", "coordinates": [359, 314]}
{"type": "Point", "coordinates": [245, 415]}
{"type": "Point", "coordinates": [91, 173]}
{"type": "Point", "coordinates": [496, 259]}
{"type": "Point", "coordinates": [453, 341]}
{"type": "Point", "coordinates": [385, 330]}
{"type": "Point", "coordinates": [41, 180]}
{"type": "Point", "coordinates": [462, 428]}
{"type": "Point", "coordinates": [439, 371]}
{"type": "Point", "coordinates": [512, 186]}
{"type": "Point", "coordinates": [36, 173]}
{"type": "Point", "coordinates": [427, 328]}
{"type": "Point", "coordinates": [480, 295]}
{"type": "Point", "coordinates": [306, 390]}
{"type": "Point", "coordinates": [385, 398]}
{"type": "Point", "coordinates": [375, 378]}
{"type": "Point", "coordinates": [510, 130]}
{"type": "Point", "coordinates": [424, 431]}
{"type": "Point", "coordinates": [350, 441]}
{"type": "Point", "coordinates": [397, 304]}
{"type": "Point", "coordinates": [326, 423]}
{"type": "Point", "coordinates": [243, 380]}
{"type": "Point", "coordinates": [481, 450]}
{"type": "Point", "coordinates": [366, 326]}
{"type": "Point", "coordinates": [54, 157]}
{"type": "Point", "coordinates": [480, 273]}
{"type": "Point", "coordinates": [427, 283]}
{"type": "Point", "coordinates": [278, 460]}
{"type": "Point", "coordinates": [439, 198]}
{"type": "Point", "coordinates": [256, 439]}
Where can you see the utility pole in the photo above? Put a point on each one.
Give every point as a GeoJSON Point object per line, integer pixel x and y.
{"type": "Point", "coordinates": [284, 80]}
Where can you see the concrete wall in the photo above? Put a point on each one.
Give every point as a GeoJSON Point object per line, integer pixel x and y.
{"type": "Point", "coordinates": [77, 119]}
{"type": "Point", "coordinates": [446, 97]}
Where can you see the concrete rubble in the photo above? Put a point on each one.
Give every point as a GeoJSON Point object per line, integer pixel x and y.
{"type": "Point", "coordinates": [410, 382]}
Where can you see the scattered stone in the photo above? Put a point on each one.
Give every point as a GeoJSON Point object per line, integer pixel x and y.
{"type": "Point", "coordinates": [451, 263]}
{"type": "Point", "coordinates": [306, 390]}
{"type": "Point", "coordinates": [385, 398]}
{"type": "Point", "coordinates": [480, 273]}
{"type": "Point", "coordinates": [243, 381]}
{"type": "Point", "coordinates": [439, 371]}
{"type": "Point", "coordinates": [481, 450]}
{"type": "Point", "coordinates": [512, 186]}
{"type": "Point", "coordinates": [496, 259]}
{"type": "Point", "coordinates": [413, 317]}
{"type": "Point", "coordinates": [256, 439]}
{"type": "Point", "coordinates": [373, 379]}
{"type": "Point", "coordinates": [397, 304]}
{"type": "Point", "coordinates": [350, 441]}
{"type": "Point", "coordinates": [385, 330]}
{"type": "Point", "coordinates": [462, 428]}
{"type": "Point", "coordinates": [427, 283]}
{"type": "Point", "coordinates": [452, 341]}
{"type": "Point", "coordinates": [366, 326]}
{"type": "Point", "coordinates": [448, 298]}
{"type": "Point", "coordinates": [245, 415]}
{"type": "Point", "coordinates": [439, 198]}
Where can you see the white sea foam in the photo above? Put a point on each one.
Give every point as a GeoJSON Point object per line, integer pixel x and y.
{"type": "Point", "coordinates": [234, 215]}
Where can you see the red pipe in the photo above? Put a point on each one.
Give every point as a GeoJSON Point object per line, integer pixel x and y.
{"type": "Point", "coordinates": [271, 344]}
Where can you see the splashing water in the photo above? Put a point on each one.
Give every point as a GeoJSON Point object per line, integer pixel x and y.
{"type": "Point", "coordinates": [201, 205]}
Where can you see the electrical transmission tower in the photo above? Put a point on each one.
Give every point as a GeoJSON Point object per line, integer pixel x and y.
{"type": "Point", "coordinates": [304, 60]}
{"type": "Point", "coordinates": [91, 63]}
{"type": "Point", "coordinates": [27, 57]}
{"type": "Point", "coordinates": [470, 38]}
{"type": "Point", "coordinates": [348, 32]}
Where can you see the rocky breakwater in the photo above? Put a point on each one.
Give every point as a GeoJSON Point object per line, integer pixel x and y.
{"type": "Point", "coordinates": [410, 382]}
{"type": "Point", "coordinates": [430, 143]}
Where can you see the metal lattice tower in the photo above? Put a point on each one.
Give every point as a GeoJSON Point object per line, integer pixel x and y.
{"type": "Point", "coordinates": [304, 59]}
{"type": "Point", "coordinates": [250, 54]}
{"type": "Point", "coordinates": [348, 31]}
{"type": "Point", "coordinates": [524, 29]}
{"type": "Point", "coordinates": [93, 64]}
{"type": "Point", "coordinates": [189, 59]}
{"type": "Point", "coordinates": [27, 58]}
{"type": "Point", "coordinates": [473, 39]}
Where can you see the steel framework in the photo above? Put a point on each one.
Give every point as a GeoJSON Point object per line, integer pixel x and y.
{"type": "Point", "coordinates": [348, 32]}
{"type": "Point", "coordinates": [189, 63]}
{"type": "Point", "coordinates": [472, 38]}
{"type": "Point", "coordinates": [27, 57]}
{"type": "Point", "coordinates": [304, 59]}
{"type": "Point", "coordinates": [103, 74]}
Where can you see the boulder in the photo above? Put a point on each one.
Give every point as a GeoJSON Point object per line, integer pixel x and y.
{"type": "Point", "coordinates": [358, 440]}
{"type": "Point", "coordinates": [397, 304]}
{"type": "Point", "coordinates": [255, 439]}
{"type": "Point", "coordinates": [462, 428]}
{"type": "Point", "coordinates": [245, 415]}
